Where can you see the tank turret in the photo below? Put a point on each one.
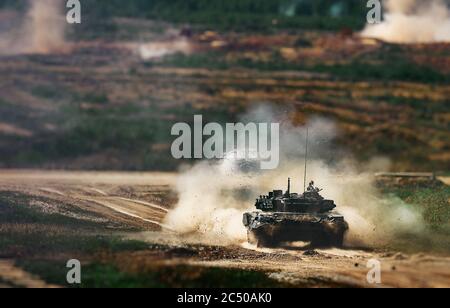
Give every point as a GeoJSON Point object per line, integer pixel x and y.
{"type": "Point", "coordinates": [309, 202]}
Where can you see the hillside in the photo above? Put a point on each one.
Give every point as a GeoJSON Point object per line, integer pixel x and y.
{"type": "Point", "coordinates": [109, 98]}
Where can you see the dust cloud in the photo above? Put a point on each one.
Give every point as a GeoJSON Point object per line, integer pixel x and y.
{"type": "Point", "coordinates": [413, 21]}
{"type": "Point", "coordinates": [159, 50]}
{"type": "Point", "coordinates": [214, 195]}
{"type": "Point", "coordinates": [40, 31]}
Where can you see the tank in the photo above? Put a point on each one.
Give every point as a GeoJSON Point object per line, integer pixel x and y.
{"type": "Point", "coordinates": [291, 217]}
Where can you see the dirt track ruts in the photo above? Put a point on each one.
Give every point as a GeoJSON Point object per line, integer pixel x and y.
{"type": "Point", "coordinates": [133, 199]}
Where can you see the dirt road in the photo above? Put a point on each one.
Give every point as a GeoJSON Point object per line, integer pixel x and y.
{"type": "Point", "coordinates": [132, 198]}
{"type": "Point", "coordinates": [142, 200]}
{"type": "Point", "coordinates": [445, 179]}
{"type": "Point", "coordinates": [11, 276]}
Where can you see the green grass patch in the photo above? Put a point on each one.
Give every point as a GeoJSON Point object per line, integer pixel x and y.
{"type": "Point", "coordinates": [424, 242]}
{"type": "Point", "coordinates": [33, 242]}
{"type": "Point", "coordinates": [432, 201]}
{"type": "Point", "coordinates": [93, 97]}
{"type": "Point", "coordinates": [47, 92]}
{"type": "Point", "coordinates": [98, 275]}
{"type": "Point", "coordinates": [4, 103]}
{"type": "Point", "coordinates": [435, 203]}
{"type": "Point", "coordinates": [387, 70]}
{"type": "Point", "coordinates": [268, 23]}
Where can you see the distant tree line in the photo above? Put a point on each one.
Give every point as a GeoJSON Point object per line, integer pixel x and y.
{"type": "Point", "coordinates": [144, 7]}
{"type": "Point", "coordinates": [248, 14]}
{"type": "Point", "coordinates": [272, 7]}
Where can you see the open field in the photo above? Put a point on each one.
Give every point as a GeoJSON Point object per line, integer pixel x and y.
{"type": "Point", "coordinates": [102, 96]}
{"type": "Point", "coordinates": [112, 223]}
{"type": "Point", "coordinates": [109, 105]}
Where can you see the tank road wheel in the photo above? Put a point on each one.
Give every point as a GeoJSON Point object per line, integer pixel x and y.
{"type": "Point", "coordinates": [337, 240]}
{"type": "Point", "coordinates": [320, 239]}
{"type": "Point", "coordinates": [260, 239]}
{"type": "Point", "coordinates": [324, 239]}
{"type": "Point", "coordinates": [338, 236]}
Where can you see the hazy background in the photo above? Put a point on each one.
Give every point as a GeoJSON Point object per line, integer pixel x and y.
{"type": "Point", "coordinates": [104, 94]}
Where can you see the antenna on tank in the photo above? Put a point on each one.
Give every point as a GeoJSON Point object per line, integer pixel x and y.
{"type": "Point", "coordinates": [306, 159]}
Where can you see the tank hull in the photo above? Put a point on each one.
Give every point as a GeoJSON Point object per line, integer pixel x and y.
{"type": "Point", "coordinates": [272, 229]}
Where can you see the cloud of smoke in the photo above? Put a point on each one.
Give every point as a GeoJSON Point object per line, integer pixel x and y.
{"type": "Point", "coordinates": [413, 21]}
{"type": "Point", "coordinates": [213, 196]}
{"type": "Point", "coordinates": [208, 203]}
{"type": "Point", "coordinates": [159, 50]}
{"type": "Point", "coordinates": [41, 31]}
{"type": "Point", "coordinates": [46, 26]}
